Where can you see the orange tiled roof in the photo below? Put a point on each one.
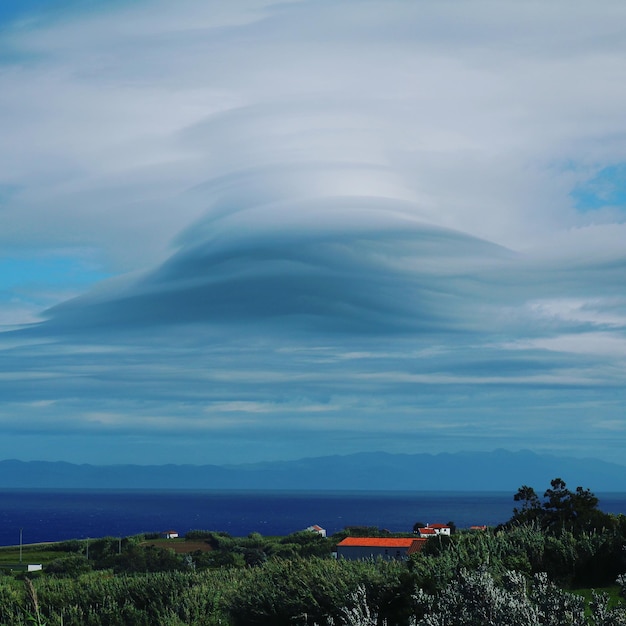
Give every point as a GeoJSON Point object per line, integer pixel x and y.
{"type": "Point", "coordinates": [379, 542]}
{"type": "Point", "coordinates": [417, 546]}
{"type": "Point", "coordinates": [438, 526]}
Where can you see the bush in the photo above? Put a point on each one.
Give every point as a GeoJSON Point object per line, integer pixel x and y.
{"type": "Point", "coordinates": [72, 565]}
{"type": "Point", "coordinates": [313, 591]}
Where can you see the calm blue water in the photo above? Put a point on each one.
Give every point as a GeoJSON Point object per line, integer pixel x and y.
{"type": "Point", "coordinates": [53, 515]}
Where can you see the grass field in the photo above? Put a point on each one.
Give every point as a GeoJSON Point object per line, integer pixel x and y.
{"type": "Point", "coordinates": [31, 553]}
{"type": "Point", "coordinates": [613, 592]}
{"type": "Point", "coordinates": [180, 546]}
{"type": "Point", "coordinates": [45, 553]}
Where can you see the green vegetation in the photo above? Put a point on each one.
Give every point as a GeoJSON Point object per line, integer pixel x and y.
{"type": "Point", "coordinates": [517, 574]}
{"type": "Point", "coordinates": [36, 553]}
{"type": "Point", "coordinates": [574, 511]}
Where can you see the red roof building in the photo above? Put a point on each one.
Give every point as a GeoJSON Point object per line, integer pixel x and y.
{"type": "Point", "coordinates": [434, 529]}
{"type": "Point", "coordinates": [170, 534]}
{"type": "Point", "coordinates": [359, 548]}
{"type": "Point", "coordinates": [317, 529]}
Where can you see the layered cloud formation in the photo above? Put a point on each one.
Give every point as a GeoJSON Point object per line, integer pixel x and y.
{"type": "Point", "coordinates": [251, 230]}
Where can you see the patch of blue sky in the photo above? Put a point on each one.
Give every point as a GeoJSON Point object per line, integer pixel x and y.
{"type": "Point", "coordinates": [12, 11]}
{"type": "Point", "coordinates": [31, 14]}
{"type": "Point", "coordinates": [53, 271]}
{"type": "Point", "coordinates": [606, 188]}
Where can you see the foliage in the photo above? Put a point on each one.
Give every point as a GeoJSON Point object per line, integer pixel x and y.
{"type": "Point", "coordinates": [477, 598]}
{"type": "Point", "coordinates": [145, 559]}
{"type": "Point", "coordinates": [211, 536]}
{"type": "Point", "coordinates": [590, 559]}
{"type": "Point", "coordinates": [72, 565]}
{"type": "Point", "coordinates": [561, 510]}
{"type": "Point", "coordinates": [474, 598]}
{"type": "Point", "coordinates": [31, 554]}
{"type": "Point", "coordinates": [320, 591]}
{"type": "Point", "coordinates": [277, 592]}
{"type": "Point", "coordinates": [360, 531]}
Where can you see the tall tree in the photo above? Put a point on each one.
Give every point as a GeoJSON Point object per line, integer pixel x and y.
{"type": "Point", "coordinates": [558, 505]}
{"type": "Point", "coordinates": [531, 506]}
{"type": "Point", "coordinates": [561, 509]}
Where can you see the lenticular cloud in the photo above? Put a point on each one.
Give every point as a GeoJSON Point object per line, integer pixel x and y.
{"type": "Point", "coordinates": [307, 225]}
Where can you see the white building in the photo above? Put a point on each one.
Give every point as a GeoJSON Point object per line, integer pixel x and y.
{"type": "Point", "coordinates": [317, 529]}
{"type": "Point", "coordinates": [169, 534]}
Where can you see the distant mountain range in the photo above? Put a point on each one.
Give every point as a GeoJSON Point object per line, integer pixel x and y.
{"type": "Point", "coordinates": [499, 470]}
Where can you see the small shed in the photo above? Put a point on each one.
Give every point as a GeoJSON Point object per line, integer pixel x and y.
{"type": "Point", "coordinates": [169, 534]}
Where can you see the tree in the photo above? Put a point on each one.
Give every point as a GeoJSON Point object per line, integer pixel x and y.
{"type": "Point", "coordinates": [561, 509]}
{"type": "Point", "coordinates": [528, 497]}
{"type": "Point", "coordinates": [558, 506]}
{"type": "Point", "coordinates": [586, 513]}
{"type": "Point", "coordinates": [530, 510]}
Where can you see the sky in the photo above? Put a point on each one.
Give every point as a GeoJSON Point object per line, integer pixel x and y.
{"type": "Point", "coordinates": [242, 231]}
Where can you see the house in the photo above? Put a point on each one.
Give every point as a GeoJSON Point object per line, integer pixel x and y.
{"type": "Point", "coordinates": [389, 548]}
{"type": "Point", "coordinates": [317, 529]}
{"type": "Point", "coordinates": [169, 534]}
{"type": "Point", "coordinates": [431, 530]}
{"type": "Point", "coordinates": [483, 527]}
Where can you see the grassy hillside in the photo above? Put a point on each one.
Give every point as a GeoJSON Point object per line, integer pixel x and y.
{"type": "Point", "coordinates": [515, 575]}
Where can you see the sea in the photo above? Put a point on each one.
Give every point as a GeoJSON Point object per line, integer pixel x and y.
{"type": "Point", "coordinates": [58, 515]}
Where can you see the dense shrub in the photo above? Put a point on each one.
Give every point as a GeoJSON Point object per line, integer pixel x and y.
{"type": "Point", "coordinates": [589, 559]}
{"type": "Point", "coordinates": [306, 592]}
{"type": "Point", "coordinates": [314, 591]}
{"type": "Point", "coordinates": [213, 536]}
{"type": "Point", "coordinates": [72, 566]}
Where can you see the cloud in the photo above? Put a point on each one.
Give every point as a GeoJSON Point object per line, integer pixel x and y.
{"type": "Point", "coordinates": [114, 116]}
{"type": "Point", "coordinates": [323, 227]}
{"type": "Point", "coordinates": [312, 268]}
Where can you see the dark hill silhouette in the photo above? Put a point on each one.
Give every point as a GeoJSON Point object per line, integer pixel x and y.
{"type": "Point", "coordinates": [499, 470]}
